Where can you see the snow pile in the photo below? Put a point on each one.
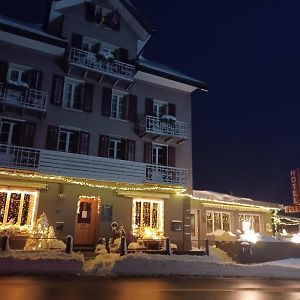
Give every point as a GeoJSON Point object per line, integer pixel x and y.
{"type": "Point", "coordinates": [13, 229]}
{"type": "Point", "coordinates": [221, 235]}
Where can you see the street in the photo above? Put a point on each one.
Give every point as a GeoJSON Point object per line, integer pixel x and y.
{"type": "Point", "coordinates": [85, 288]}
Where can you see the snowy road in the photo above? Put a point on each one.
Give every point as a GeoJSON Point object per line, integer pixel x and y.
{"type": "Point", "coordinates": [67, 288]}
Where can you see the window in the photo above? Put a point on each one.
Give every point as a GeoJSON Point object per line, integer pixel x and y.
{"type": "Point", "coordinates": [67, 141]}
{"type": "Point", "coordinates": [147, 214]}
{"type": "Point", "coordinates": [17, 207]}
{"type": "Point", "coordinates": [115, 149]}
{"type": "Point", "coordinates": [9, 132]}
{"type": "Point", "coordinates": [217, 221]}
{"type": "Point", "coordinates": [160, 155]}
{"type": "Point", "coordinates": [118, 106]}
{"type": "Point", "coordinates": [18, 75]}
{"type": "Point", "coordinates": [73, 94]}
{"type": "Point", "coordinates": [253, 219]}
{"type": "Point", "coordinates": [160, 108]}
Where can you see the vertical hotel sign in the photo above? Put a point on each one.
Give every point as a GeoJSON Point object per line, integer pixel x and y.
{"type": "Point", "coordinates": [295, 186]}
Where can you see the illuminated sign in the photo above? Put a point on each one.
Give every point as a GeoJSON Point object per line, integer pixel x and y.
{"type": "Point", "coordinates": [292, 209]}
{"type": "Point", "coordinates": [295, 186]}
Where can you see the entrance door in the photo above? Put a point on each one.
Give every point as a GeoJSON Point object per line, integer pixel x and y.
{"type": "Point", "coordinates": [195, 228]}
{"type": "Point", "coordinates": [86, 221]}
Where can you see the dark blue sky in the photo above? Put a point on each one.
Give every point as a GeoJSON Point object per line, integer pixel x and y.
{"type": "Point", "coordinates": [245, 130]}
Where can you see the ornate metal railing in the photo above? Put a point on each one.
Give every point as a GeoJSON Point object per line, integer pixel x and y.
{"type": "Point", "coordinates": [163, 174]}
{"type": "Point", "coordinates": [22, 157]}
{"type": "Point", "coordinates": [91, 61]}
{"type": "Point", "coordinates": [164, 127]}
{"type": "Point", "coordinates": [28, 98]}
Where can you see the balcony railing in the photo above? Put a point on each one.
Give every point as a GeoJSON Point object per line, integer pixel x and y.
{"type": "Point", "coordinates": [90, 61]}
{"type": "Point", "coordinates": [21, 157]}
{"type": "Point", "coordinates": [163, 127]}
{"type": "Point", "coordinates": [28, 98]}
{"type": "Point", "coordinates": [87, 166]}
{"type": "Point", "coordinates": [163, 174]}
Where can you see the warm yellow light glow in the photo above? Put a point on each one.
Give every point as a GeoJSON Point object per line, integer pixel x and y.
{"type": "Point", "coordinates": [296, 238]}
{"type": "Point", "coordinates": [248, 234]}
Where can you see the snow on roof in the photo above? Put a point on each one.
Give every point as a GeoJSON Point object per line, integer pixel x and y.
{"type": "Point", "coordinates": [35, 28]}
{"type": "Point", "coordinates": [141, 61]}
{"type": "Point", "coordinates": [214, 196]}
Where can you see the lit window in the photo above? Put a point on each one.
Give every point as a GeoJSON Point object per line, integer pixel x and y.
{"type": "Point", "coordinates": [118, 106]}
{"type": "Point", "coordinates": [147, 215]}
{"type": "Point", "coordinates": [67, 141]}
{"type": "Point", "coordinates": [17, 207]}
{"type": "Point", "coordinates": [73, 94]}
{"type": "Point", "coordinates": [217, 221]}
{"type": "Point", "coordinates": [253, 219]}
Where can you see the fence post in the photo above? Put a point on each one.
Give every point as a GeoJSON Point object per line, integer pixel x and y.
{"type": "Point", "coordinates": [5, 243]}
{"type": "Point", "coordinates": [168, 246]}
{"type": "Point", "coordinates": [206, 247]}
{"type": "Point", "coordinates": [69, 246]}
{"type": "Point", "coordinates": [123, 246]}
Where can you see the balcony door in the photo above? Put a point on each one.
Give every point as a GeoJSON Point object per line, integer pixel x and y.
{"type": "Point", "coordinates": [86, 221]}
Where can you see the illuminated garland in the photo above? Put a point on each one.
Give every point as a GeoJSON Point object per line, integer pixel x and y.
{"type": "Point", "coordinates": [84, 183]}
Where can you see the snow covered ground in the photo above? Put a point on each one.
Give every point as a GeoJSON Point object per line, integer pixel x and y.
{"type": "Point", "coordinates": [218, 264]}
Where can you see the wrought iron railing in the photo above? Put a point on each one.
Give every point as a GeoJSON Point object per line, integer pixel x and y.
{"type": "Point", "coordinates": [29, 98]}
{"type": "Point", "coordinates": [165, 127]}
{"type": "Point", "coordinates": [22, 157]}
{"type": "Point", "coordinates": [91, 61]}
{"type": "Point", "coordinates": [164, 174]}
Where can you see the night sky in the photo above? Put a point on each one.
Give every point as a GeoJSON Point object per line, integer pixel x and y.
{"type": "Point", "coordinates": [246, 128]}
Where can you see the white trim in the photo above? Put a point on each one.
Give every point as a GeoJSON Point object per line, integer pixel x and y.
{"type": "Point", "coordinates": [213, 223]}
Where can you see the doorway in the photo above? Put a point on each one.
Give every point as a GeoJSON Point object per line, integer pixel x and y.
{"type": "Point", "coordinates": [86, 221]}
{"type": "Point", "coordinates": [194, 217]}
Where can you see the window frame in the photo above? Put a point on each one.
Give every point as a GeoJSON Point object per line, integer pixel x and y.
{"type": "Point", "coordinates": [21, 71]}
{"type": "Point", "coordinates": [252, 220]}
{"type": "Point", "coordinates": [115, 114]}
{"type": "Point", "coordinates": [116, 142]}
{"type": "Point", "coordinates": [155, 156]}
{"type": "Point", "coordinates": [213, 212]}
{"type": "Point", "coordinates": [68, 138]}
{"type": "Point", "coordinates": [75, 83]}
{"type": "Point", "coordinates": [158, 107]}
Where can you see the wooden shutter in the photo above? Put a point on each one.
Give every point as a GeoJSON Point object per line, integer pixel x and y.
{"type": "Point", "coordinates": [149, 107]}
{"type": "Point", "coordinates": [132, 108]}
{"type": "Point", "coordinates": [90, 11]}
{"type": "Point", "coordinates": [3, 71]}
{"type": "Point", "coordinates": [148, 153]}
{"type": "Point", "coordinates": [123, 54]}
{"type": "Point", "coordinates": [35, 79]}
{"type": "Point", "coordinates": [27, 134]}
{"type": "Point", "coordinates": [84, 138]}
{"type": "Point", "coordinates": [172, 109]}
{"type": "Point", "coordinates": [57, 89]}
{"type": "Point", "coordinates": [106, 101]}
{"type": "Point", "coordinates": [52, 138]}
{"type": "Point", "coordinates": [88, 97]}
{"type": "Point", "coordinates": [103, 145]}
{"type": "Point", "coordinates": [130, 150]}
{"type": "Point", "coordinates": [171, 156]}
{"type": "Point", "coordinates": [76, 41]}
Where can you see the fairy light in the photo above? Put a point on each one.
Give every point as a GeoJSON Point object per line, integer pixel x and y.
{"type": "Point", "coordinates": [248, 235]}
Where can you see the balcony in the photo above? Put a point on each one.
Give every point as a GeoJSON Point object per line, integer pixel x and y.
{"type": "Point", "coordinates": [90, 62]}
{"type": "Point", "coordinates": [90, 167]}
{"type": "Point", "coordinates": [26, 98]}
{"type": "Point", "coordinates": [166, 130]}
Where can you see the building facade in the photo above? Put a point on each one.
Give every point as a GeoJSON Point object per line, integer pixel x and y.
{"type": "Point", "coordinates": [91, 132]}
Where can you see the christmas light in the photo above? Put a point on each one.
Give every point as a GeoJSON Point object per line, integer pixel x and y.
{"type": "Point", "coordinates": [248, 234]}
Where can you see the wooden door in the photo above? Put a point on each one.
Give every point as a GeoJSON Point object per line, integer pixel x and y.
{"type": "Point", "coordinates": [86, 221]}
{"type": "Point", "coordinates": [195, 228]}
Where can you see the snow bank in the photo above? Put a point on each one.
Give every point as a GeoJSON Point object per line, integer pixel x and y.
{"type": "Point", "coordinates": [40, 262]}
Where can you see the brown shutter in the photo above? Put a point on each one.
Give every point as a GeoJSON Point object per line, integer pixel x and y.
{"type": "Point", "coordinates": [3, 71]}
{"type": "Point", "coordinates": [148, 153]}
{"type": "Point", "coordinates": [132, 108]}
{"type": "Point", "coordinates": [106, 101]}
{"type": "Point", "coordinates": [172, 109]}
{"type": "Point", "coordinates": [52, 138]}
{"type": "Point", "coordinates": [88, 97]}
{"type": "Point", "coordinates": [123, 54]}
{"type": "Point", "coordinates": [149, 107]}
{"type": "Point", "coordinates": [76, 40]}
{"type": "Point", "coordinates": [27, 134]}
{"type": "Point", "coordinates": [35, 79]}
{"type": "Point", "coordinates": [103, 145]}
{"type": "Point", "coordinates": [57, 89]}
{"type": "Point", "coordinates": [90, 11]}
{"type": "Point", "coordinates": [130, 150]}
{"type": "Point", "coordinates": [84, 138]}
{"type": "Point", "coordinates": [171, 156]}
